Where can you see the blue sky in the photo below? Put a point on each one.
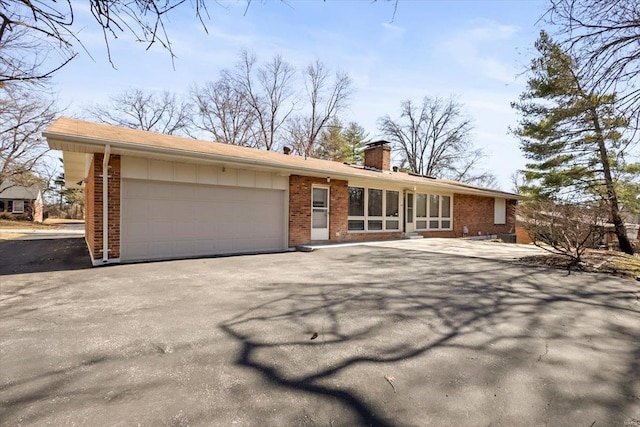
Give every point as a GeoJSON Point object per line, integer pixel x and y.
{"type": "Point", "coordinates": [474, 50]}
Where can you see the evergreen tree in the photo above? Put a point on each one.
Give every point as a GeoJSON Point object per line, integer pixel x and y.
{"type": "Point", "coordinates": [355, 139]}
{"type": "Point", "coordinates": [573, 137]}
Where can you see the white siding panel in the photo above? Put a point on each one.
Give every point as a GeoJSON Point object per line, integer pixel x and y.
{"type": "Point", "coordinates": [160, 170]}
{"type": "Point", "coordinates": [173, 220]}
{"type": "Point", "coordinates": [246, 178]}
{"type": "Point", "coordinates": [207, 175]}
{"type": "Point", "coordinates": [184, 172]}
{"type": "Point", "coordinates": [500, 211]}
{"type": "Point", "coordinates": [134, 167]}
{"type": "Point", "coordinates": [228, 177]}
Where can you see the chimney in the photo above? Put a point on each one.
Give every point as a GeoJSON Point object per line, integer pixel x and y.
{"type": "Point", "coordinates": [377, 155]}
{"type": "Point", "coordinates": [286, 150]}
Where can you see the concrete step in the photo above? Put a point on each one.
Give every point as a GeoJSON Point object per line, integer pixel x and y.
{"type": "Point", "coordinates": [412, 235]}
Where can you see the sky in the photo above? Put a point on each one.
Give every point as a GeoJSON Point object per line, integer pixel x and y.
{"type": "Point", "coordinates": [475, 50]}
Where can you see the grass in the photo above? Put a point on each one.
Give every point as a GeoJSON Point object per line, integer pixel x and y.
{"type": "Point", "coordinates": [7, 223]}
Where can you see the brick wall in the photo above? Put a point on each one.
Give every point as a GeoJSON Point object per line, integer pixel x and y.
{"type": "Point", "coordinates": [477, 212]}
{"type": "Point", "coordinates": [300, 212]}
{"type": "Point", "coordinates": [93, 197]}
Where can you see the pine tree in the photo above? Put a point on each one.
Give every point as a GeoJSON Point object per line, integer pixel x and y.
{"type": "Point", "coordinates": [573, 136]}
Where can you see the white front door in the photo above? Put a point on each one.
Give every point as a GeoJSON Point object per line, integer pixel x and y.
{"type": "Point", "coordinates": [320, 213]}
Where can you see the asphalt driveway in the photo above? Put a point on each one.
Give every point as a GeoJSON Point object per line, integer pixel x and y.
{"type": "Point", "coordinates": [407, 336]}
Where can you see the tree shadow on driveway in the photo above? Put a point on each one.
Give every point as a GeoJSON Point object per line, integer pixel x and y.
{"type": "Point", "coordinates": [464, 342]}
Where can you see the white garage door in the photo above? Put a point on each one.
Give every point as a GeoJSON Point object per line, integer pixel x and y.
{"type": "Point", "coordinates": [170, 220]}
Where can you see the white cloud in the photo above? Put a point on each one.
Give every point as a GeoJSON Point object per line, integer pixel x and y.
{"type": "Point", "coordinates": [479, 49]}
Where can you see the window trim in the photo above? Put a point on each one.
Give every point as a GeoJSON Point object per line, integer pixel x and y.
{"type": "Point", "coordinates": [13, 207]}
{"type": "Point", "coordinates": [384, 218]}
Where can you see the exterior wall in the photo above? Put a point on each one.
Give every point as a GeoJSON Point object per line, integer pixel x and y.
{"type": "Point", "coordinates": [522, 236]}
{"type": "Point", "coordinates": [158, 170]}
{"type": "Point", "coordinates": [6, 209]}
{"type": "Point", "coordinates": [477, 213]}
{"type": "Point", "coordinates": [300, 212]}
{"type": "Point", "coordinates": [94, 227]}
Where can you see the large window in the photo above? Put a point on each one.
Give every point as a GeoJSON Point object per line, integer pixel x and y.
{"type": "Point", "coordinates": [433, 212]}
{"type": "Point", "coordinates": [382, 209]}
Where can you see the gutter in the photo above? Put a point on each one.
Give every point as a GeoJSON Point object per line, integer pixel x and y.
{"type": "Point", "coordinates": [105, 204]}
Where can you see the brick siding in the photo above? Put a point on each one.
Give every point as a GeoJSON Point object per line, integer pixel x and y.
{"type": "Point", "coordinates": [378, 156]}
{"type": "Point", "coordinates": [477, 212]}
{"type": "Point", "coordinates": [93, 204]}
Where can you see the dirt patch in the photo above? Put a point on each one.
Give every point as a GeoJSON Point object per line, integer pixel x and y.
{"type": "Point", "coordinates": [593, 261]}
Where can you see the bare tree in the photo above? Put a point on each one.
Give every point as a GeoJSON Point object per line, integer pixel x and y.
{"type": "Point", "coordinates": [23, 116]}
{"type": "Point", "coordinates": [434, 140]}
{"type": "Point", "coordinates": [268, 92]}
{"type": "Point", "coordinates": [605, 36]}
{"type": "Point", "coordinates": [326, 98]}
{"type": "Point", "coordinates": [31, 29]}
{"type": "Point", "coordinates": [136, 109]}
{"type": "Point", "coordinates": [564, 228]}
{"type": "Point", "coordinates": [223, 112]}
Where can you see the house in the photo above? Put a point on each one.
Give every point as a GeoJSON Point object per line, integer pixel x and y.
{"type": "Point", "coordinates": [165, 197]}
{"type": "Point", "coordinates": [17, 201]}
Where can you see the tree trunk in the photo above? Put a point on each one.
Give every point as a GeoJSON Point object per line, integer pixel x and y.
{"type": "Point", "coordinates": [612, 197]}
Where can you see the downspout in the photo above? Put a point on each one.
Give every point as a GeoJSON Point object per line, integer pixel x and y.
{"type": "Point", "coordinates": [105, 204]}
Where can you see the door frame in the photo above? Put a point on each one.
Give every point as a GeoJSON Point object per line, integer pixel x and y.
{"type": "Point", "coordinates": [321, 233]}
{"type": "Point", "coordinates": [409, 226]}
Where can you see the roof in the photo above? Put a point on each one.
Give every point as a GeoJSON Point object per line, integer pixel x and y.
{"type": "Point", "coordinates": [72, 135]}
{"type": "Point", "coordinates": [8, 190]}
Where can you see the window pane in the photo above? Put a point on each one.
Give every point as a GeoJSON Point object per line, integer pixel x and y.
{"type": "Point", "coordinates": [356, 225]}
{"type": "Point", "coordinates": [409, 208]}
{"type": "Point", "coordinates": [422, 225]}
{"type": "Point", "coordinates": [319, 218]}
{"type": "Point", "coordinates": [446, 207]}
{"type": "Point", "coordinates": [375, 202]}
{"type": "Point", "coordinates": [433, 224]}
{"type": "Point", "coordinates": [434, 203]}
{"type": "Point", "coordinates": [446, 224]}
{"type": "Point", "coordinates": [374, 225]}
{"type": "Point", "coordinates": [392, 203]}
{"type": "Point", "coordinates": [393, 225]}
{"type": "Point", "coordinates": [356, 202]}
{"type": "Point", "coordinates": [320, 198]}
{"type": "Point", "coordinates": [421, 208]}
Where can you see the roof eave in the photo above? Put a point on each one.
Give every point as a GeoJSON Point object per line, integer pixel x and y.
{"type": "Point", "coordinates": [57, 140]}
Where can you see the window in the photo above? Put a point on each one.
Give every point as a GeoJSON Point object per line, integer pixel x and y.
{"type": "Point", "coordinates": [392, 210]}
{"type": "Point", "coordinates": [382, 209]}
{"type": "Point", "coordinates": [433, 212]}
{"type": "Point", "coordinates": [18, 206]}
{"type": "Point", "coordinates": [356, 209]}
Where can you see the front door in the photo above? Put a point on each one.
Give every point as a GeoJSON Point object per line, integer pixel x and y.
{"type": "Point", "coordinates": [408, 214]}
{"type": "Point", "coordinates": [320, 213]}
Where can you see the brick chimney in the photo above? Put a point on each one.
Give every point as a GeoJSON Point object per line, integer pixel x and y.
{"type": "Point", "coordinates": [377, 155]}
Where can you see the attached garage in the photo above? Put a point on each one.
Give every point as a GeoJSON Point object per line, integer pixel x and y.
{"type": "Point", "coordinates": [162, 220]}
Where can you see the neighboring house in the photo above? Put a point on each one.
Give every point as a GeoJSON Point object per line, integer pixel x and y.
{"type": "Point", "coordinates": [169, 197]}
{"type": "Point", "coordinates": [20, 201]}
